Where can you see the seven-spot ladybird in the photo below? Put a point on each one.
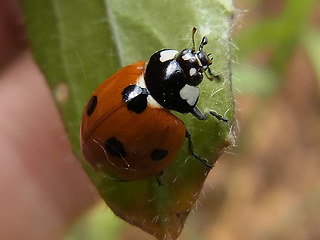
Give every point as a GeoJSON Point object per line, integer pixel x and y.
{"type": "Point", "coordinates": [127, 129]}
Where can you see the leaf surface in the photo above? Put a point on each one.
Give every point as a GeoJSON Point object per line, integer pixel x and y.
{"type": "Point", "coordinates": [78, 44]}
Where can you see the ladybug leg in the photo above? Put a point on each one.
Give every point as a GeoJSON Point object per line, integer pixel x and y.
{"type": "Point", "coordinates": [211, 76]}
{"type": "Point", "coordinates": [158, 178]}
{"type": "Point", "coordinates": [203, 116]}
{"type": "Point", "coordinates": [191, 151]}
{"type": "Point", "coordinates": [218, 116]}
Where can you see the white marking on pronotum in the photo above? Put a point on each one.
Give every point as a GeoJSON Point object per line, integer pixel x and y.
{"type": "Point", "coordinates": [190, 94]}
{"type": "Point", "coordinates": [167, 55]}
{"type": "Point", "coordinates": [187, 56]}
{"type": "Point", "coordinates": [140, 81]}
{"type": "Point", "coordinates": [192, 71]}
{"type": "Point", "coordinates": [151, 101]}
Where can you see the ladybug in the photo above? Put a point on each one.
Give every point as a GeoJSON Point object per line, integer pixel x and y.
{"type": "Point", "coordinates": [127, 129]}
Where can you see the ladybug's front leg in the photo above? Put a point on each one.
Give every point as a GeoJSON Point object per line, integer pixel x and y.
{"type": "Point", "coordinates": [203, 116]}
{"type": "Point", "coordinates": [158, 178]}
{"type": "Point", "coordinates": [211, 76]}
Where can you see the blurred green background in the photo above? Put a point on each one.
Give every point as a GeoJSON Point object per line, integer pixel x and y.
{"type": "Point", "coordinates": [268, 186]}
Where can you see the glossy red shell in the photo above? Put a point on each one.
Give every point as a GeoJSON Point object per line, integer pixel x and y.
{"type": "Point", "coordinates": [139, 133]}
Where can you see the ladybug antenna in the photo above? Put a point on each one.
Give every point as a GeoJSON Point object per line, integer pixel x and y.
{"type": "Point", "coordinates": [204, 41]}
{"type": "Point", "coordinates": [193, 43]}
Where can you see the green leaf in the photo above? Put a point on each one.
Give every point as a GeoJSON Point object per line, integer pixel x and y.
{"type": "Point", "coordinates": [78, 44]}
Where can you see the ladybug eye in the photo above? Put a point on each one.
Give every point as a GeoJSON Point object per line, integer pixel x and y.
{"type": "Point", "coordinates": [204, 59]}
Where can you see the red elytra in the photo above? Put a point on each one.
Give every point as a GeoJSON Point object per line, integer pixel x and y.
{"type": "Point", "coordinates": [125, 144]}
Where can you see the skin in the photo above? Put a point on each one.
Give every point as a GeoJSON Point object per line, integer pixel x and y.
{"type": "Point", "coordinates": [43, 187]}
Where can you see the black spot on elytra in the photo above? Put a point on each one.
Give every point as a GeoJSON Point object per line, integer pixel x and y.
{"type": "Point", "coordinates": [158, 154]}
{"type": "Point", "coordinates": [92, 104]}
{"type": "Point", "coordinates": [136, 98]}
{"type": "Point", "coordinates": [115, 147]}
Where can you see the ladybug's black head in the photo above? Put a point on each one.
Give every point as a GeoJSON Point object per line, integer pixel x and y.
{"type": "Point", "coordinates": [194, 63]}
{"type": "Point", "coordinates": [171, 77]}
{"type": "Point", "coordinates": [204, 59]}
